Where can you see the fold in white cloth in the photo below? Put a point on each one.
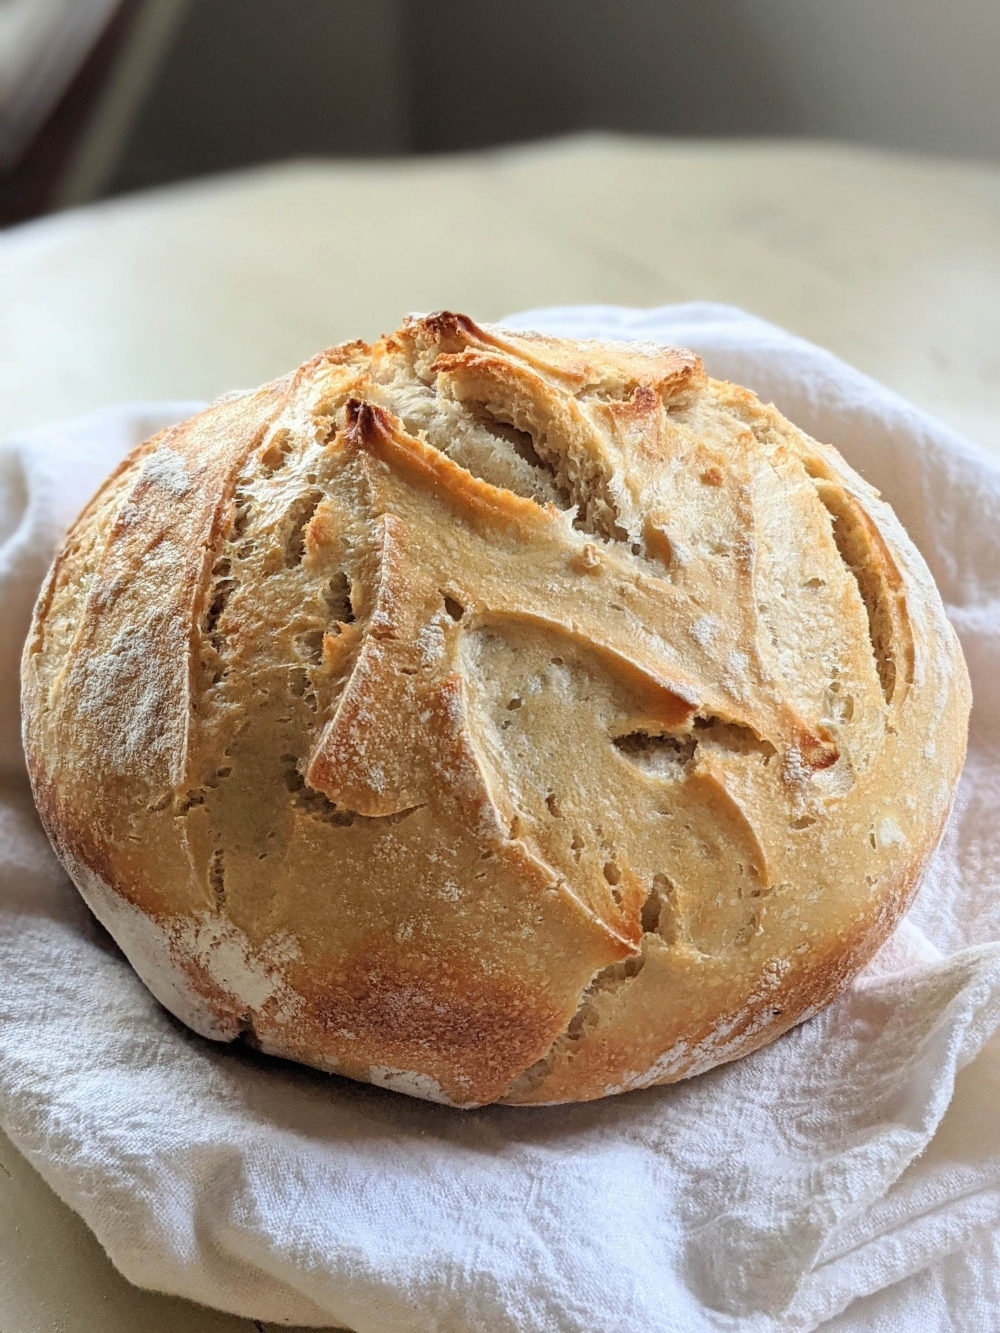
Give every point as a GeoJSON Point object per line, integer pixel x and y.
{"type": "Point", "coordinates": [777, 1193]}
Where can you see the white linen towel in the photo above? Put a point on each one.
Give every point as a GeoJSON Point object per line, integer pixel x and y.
{"type": "Point", "coordinates": [782, 1192]}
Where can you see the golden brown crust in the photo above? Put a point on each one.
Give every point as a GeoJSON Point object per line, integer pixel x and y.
{"type": "Point", "coordinates": [493, 717]}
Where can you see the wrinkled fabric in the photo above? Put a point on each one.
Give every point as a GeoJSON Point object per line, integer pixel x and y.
{"type": "Point", "coordinates": [792, 1189]}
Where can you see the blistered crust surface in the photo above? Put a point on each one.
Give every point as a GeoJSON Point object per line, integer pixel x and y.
{"type": "Point", "coordinates": [489, 716]}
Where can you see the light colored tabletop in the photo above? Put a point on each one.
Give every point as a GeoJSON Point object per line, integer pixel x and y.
{"type": "Point", "coordinates": [891, 262]}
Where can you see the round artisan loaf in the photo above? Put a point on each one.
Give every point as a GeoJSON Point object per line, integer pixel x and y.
{"type": "Point", "coordinates": [493, 717]}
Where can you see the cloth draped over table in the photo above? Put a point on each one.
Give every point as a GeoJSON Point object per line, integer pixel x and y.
{"type": "Point", "coordinates": [801, 1185]}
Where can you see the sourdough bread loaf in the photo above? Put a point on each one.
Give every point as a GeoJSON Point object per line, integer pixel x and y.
{"type": "Point", "coordinates": [493, 717]}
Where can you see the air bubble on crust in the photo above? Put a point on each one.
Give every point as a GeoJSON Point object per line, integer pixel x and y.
{"type": "Point", "coordinates": [663, 756]}
{"type": "Point", "coordinates": [296, 521]}
{"type": "Point", "coordinates": [337, 596]}
{"type": "Point", "coordinates": [275, 454]}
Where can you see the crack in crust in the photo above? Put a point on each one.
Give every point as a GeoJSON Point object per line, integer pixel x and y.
{"type": "Point", "coordinates": [880, 586]}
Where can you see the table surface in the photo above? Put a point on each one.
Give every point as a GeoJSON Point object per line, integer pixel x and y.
{"type": "Point", "coordinates": [892, 262]}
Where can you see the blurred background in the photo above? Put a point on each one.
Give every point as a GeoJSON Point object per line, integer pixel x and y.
{"type": "Point", "coordinates": [198, 194]}
{"type": "Point", "coordinates": [98, 97]}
